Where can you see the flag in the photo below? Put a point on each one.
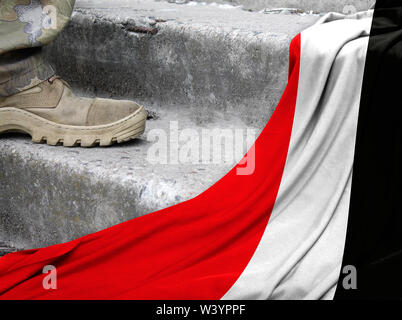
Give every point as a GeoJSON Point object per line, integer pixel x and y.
{"type": "Point", "coordinates": [324, 195]}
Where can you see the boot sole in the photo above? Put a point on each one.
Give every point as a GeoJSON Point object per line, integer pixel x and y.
{"type": "Point", "coordinates": [42, 130]}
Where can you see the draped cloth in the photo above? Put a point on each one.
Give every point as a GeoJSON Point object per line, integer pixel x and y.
{"type": "Point", "coordinates": [276, 233]}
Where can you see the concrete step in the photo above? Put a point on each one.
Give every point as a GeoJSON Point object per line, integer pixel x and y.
{"type": "Point", "coordinates": [53, 194]}
{"type": "Point", "coordinates": [319, 6]}
{"type": "Point", "coordinates": [207, 57]}
{"type": "Point", "coordinates": [195, 68]}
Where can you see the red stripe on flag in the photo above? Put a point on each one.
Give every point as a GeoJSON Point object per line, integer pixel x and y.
{"type": "Point", "coordinates": [194, 250]}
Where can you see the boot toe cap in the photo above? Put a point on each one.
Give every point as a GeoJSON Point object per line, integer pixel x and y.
{"type": "Point", "coordinates": [105, 111]}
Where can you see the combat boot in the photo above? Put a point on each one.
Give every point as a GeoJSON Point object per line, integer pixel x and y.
{"type": "Point", "coordinates": [51, 113]}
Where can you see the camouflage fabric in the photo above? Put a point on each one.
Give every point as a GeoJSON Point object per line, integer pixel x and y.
{"type": "Point", "coordinates": [26, 26]}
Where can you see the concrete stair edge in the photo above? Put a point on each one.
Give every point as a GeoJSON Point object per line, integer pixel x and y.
{"type": "Point", "coordinates": [53, 195]}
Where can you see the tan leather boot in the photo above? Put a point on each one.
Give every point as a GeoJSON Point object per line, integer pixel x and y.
{"type": "Point", "coordinates": [51, 112]}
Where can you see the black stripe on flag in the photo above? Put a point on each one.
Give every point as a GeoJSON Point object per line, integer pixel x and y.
{"type": "Point", "coordinates": [374, 235]}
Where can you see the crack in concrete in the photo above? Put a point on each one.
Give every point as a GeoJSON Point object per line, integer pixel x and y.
{"type": "Point", "coordinates": [141, 29]}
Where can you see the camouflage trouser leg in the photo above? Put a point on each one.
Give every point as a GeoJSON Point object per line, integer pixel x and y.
{"type": "Point", "coordinates": [25, 26]}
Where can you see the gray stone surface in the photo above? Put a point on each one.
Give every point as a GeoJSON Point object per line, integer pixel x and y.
{"type": "Point", "coordinates": [53, 194]}
{"type": "Point", "coordinates": [209, 57]}
{"type": "Point", "coordinates": [321, 6]}
{"type": "Point", "coordinates": [5, 249]}
{"type": "Point", "coordinates": [205, 67]}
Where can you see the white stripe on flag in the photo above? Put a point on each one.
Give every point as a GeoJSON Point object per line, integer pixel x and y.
{"type": "Point", "coordinates": [300, 253]}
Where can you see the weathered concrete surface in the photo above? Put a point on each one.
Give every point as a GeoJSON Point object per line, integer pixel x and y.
{"type": "Point", "coordinates": [321, 6]}
{"type": "Point", "coordinates": [5, 249]}
{"type": "Point", "coordinates": [53, 194]}
{"type": "Point", "coordinates": [226, 59]}
{"type": "Point", "coordinates": [204, 67]}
